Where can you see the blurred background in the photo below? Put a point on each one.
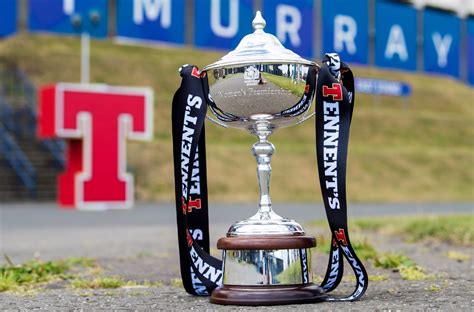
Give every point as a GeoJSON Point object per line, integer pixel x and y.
{"type": "Point", "coordinates": [411, 136]}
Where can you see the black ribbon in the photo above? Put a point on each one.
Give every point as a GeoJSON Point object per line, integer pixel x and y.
{"type": "Point", "coordinates": [334, 106]}
{"type": "Point", "coordinates": [200, 272]}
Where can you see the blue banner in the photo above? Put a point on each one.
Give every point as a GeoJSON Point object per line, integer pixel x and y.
{"type": "Point", "coordinates": [222, 23]}
{"type": "Point", "coordinates": [441, 42]}
{"type": "Point", "coordinates": [69, 16]}
{"type": "Point", "coordinates": [395, 37]}
{"type": "Point", "coordinates": [156, 20]}
{"type": "Point", "coordinates": [346, 30]}
{"type": "Point", "coordinates": [382, 87]}
{"type": "Point", "coordinates": [8, 14]}
{"type": "Point", "coordinates": [470, 51]}
{"type": "Point", "coordinates": [292, 23]}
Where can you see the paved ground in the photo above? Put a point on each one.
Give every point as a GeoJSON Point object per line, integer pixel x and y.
{"type": "Point", "coordinates": [140, 244]}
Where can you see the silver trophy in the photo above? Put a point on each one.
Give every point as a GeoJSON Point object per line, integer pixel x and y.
{"type": "Point", "coordinates": [261, 86]}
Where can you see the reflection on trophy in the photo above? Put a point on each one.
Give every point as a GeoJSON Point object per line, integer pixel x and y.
{"type": "Point", "coordinates": [260, 87]}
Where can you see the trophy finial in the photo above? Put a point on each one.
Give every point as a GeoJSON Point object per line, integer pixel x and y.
{"type": "Point", "coordinates": [258, 22]}
{"type": "Point", "coordinates": [257, 48]}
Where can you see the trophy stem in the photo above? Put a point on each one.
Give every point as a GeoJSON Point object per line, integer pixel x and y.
{"type": "Point", "coordinates": [265, 221]}
{"type": "Point", "coordinates": [263, 151]}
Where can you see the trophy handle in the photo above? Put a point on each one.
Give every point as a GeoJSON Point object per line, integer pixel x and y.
{"type": "Point", "coordinates": [217, 122]}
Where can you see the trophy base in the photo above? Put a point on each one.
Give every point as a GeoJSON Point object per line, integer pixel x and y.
{"type": "Point", "coordinates": [267, 270]}
{"type": "Point", "coordinates": [267, 295]}
{"type": "Point", "coordinates": [265, 224]}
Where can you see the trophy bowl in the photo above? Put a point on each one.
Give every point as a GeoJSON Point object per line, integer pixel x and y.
{"type": "Point", "coordinates": [260, 87]}
{"type": "Point", "coordinates": [261, 81]}
{"type": "Point", "coordinates": [246, 94]}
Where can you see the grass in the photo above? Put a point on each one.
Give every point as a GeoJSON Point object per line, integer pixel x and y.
{"type": "Point", "coordinates": [393, 261]}
{"type": "Point", "coordinates": [396, 262]}
{"type": "Point", "coordinates": [83, 262]}
{"type": "Point", "coordinates": [458, 256]}
{"type": "Point", "coordinates": [452, 229]}
{"type": "Point", "coordinates": [364, 250]}
{"type": "Point", "coordinates": [33, 273]}
{"type": "Point", "coordinates": [176, 282]}
{"type": "Point", "coordinates": [413, 273]}
{"type": "Point", "coordinates": [111, 282]}
{"type": "Point", "coordinates": [378, 278]}
{"type": "Point", "coordinates": [414, 150]}
{"type": "Point", "coordinates": [434, 288]}
{"type": "Point", "coordinates": [99, 282]}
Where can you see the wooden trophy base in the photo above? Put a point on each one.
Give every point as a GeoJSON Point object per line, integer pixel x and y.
{"type": "Point", "coordinates": [265, 294]}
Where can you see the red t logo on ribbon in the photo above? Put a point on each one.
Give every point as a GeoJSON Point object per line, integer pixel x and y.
{"type": "Point", "coordinates": [335, 92]}
{"type": "Point", "coordinates": [341, 236]}
{"type": "Point", "coordinates": [96, 120]}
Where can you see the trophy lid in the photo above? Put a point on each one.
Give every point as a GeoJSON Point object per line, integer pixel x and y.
{"type": "Point", "coordinates": [259, 47]}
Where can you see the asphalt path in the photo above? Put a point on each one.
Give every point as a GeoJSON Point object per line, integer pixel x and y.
{"type": "Point", "coordinates": [48, 215]}
{"type": "Point", "coordinates": [33, 229]}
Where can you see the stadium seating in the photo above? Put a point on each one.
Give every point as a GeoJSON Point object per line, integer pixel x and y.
{"type": "Point", "coordinates": [28, 166]}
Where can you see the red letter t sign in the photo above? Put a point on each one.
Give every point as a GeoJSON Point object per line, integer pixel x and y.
{"type": "Point", "coordinates": [95, 120]}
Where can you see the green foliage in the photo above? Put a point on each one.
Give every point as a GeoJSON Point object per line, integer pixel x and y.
{"type": "Point", "coordinates": [458, 256]}
{"type": "Point", "coordinates": [99, 282]}
{"type": "Point", "coordinates": [82, 261]}
{"type": "Point", "coordinates": [33, 272]}
{"type": "Point", "coordinates": [176, 282]}
{"type": "Point", "coordinates": [413, 273]}
{"type": "Point", "coordinates": [152, 284]}
{"type": "Point", "coordinates": [453, 229]}
{"type": "Point", "coordinates": [111, 282]}
{"type": "Point", "coordinates": [378, 278]}
{"type": "Point", "coordinates": [364, 250]}
{"type": "Point", "coordinates": [393, 261]}
{"type": "Point", "coordinates": [370, 224]}
{"type": "Point", "coordinates": [324, 245]}
{"type": "Point", "coordinates": [434, 288]}
{"type": "Point", "coordinates": [399, 262]}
